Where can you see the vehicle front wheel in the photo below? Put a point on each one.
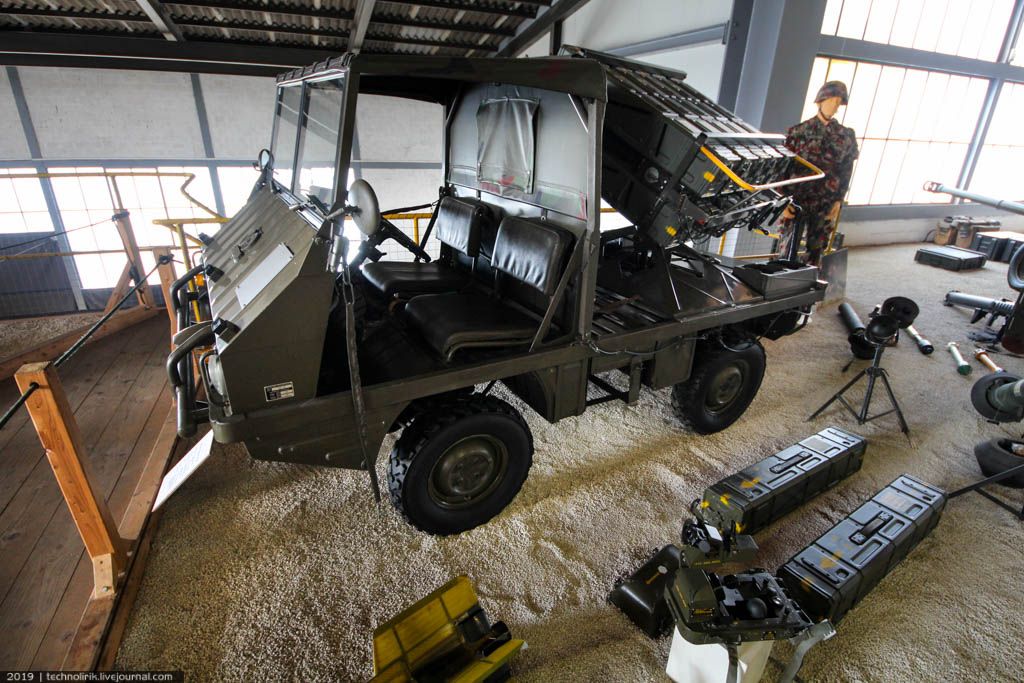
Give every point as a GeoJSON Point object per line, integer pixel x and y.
{"type": "Point", "coordinates": [459, 464]}
{"type": "Point", "coordinates": [721, 387]}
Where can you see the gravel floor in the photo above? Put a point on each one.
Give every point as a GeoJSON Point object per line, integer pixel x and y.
{"type": "Point", "coordinates": [19, 334]}
{"type": "Point", "coordinates": [273, 572]}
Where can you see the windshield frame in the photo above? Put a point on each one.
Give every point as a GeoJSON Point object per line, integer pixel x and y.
{"type": "Point", "coordinates": [346, 120]}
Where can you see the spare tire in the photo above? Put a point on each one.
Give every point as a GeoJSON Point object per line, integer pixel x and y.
{"type": "Point", "coordinates": [995, 457]}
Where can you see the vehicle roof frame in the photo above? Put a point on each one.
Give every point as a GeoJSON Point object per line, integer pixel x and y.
{"type": "Point", "coordinates": [582, 80]}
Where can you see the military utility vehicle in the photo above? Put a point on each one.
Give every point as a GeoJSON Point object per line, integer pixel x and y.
{"type": "Point", "coordinates": [317, 347]}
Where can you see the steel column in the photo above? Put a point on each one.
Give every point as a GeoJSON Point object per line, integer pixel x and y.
{"type": "Point", "coordinates": [204, 131]}
{"type": "Point", "coordinates": [737, 33]}
{"type": "Point", "coordinates": [46, 186]}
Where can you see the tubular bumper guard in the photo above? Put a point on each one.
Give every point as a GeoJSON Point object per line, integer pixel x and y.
{"type": "Point", "coordinates": [179, 362]}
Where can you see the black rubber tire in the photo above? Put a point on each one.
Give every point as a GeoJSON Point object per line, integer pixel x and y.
{"type": "Point", "coordinates": [430, 435]}
{"type": "Point", "coordinates": [995, 457]}
{"type": "Point", "coordinates": [690, 398]}
{"type": "Point", "coordinates": [1015, 273]}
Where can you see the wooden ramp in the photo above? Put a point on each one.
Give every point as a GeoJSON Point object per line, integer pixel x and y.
{"type": "Point", "coordinates": [118, 390]}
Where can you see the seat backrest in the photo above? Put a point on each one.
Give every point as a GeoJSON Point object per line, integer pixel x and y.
{"type": "Point", "coordinates": [460, 221]}
{"type": "Point", "coordinates": [531, 251]}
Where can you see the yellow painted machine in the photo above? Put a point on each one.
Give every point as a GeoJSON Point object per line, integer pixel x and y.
{"type": "Point", "coordinates": [446, 636]}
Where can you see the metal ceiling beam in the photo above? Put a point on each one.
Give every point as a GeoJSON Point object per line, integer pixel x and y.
{"type": "Point", "coordinates": [30, 48]}
{"type": "Point", "coordinates": [701, 36]}
{"type": "Point", "coordinates": [158, 14]}
{"type": "Point", "coordinates": [271, 7]}
{"type": "Point", "coordinates": [182, 17]}
{"type": "Point", "coordinates": [468, 27]}
{"type": "Point", "coordinates": [531, 31]}
{"type": "Point", "coordinates": [360, 23]}
{"type": "Point", "coordinates": [73, 14]}
{"type": "Point", "coordinates": [202, 22]}
{"type": "Point", "coordinates": [342, 34]}
{"type": "Point", "coordinates": [527, 11]}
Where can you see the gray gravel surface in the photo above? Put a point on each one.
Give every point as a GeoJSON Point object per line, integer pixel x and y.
{"type": "Point", "coordinates": [274, 572]}
{"type": "Point", "coordinates": [20, 334]}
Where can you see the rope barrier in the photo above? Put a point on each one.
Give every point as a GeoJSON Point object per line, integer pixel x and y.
{"type": "Point", "coordinates": [73, 349]}
{"type": "Point", "coordinates": [53, 234]}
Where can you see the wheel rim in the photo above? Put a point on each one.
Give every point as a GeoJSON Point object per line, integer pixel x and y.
{"type": "Point", "coordinates": [469, 471]}
{"type": "Point", "coordinates": [725, 387]}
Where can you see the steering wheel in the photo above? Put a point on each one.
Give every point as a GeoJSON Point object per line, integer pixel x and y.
{"type": "Point", "coordinates": [366, 214]}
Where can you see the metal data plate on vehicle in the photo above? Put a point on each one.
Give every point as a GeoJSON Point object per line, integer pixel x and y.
{"type": "Point", "coordinates": [184, 469]}
{"type": "Point", "coordinates": [276, 392]}
{"type": "Point", "coordinates": [261, 276]}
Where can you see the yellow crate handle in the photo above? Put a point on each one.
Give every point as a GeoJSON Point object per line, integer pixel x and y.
{"type": "Point", "coordinates": [816, 174]}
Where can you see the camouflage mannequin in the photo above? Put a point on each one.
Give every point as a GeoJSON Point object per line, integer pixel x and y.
{"type": "Point", "coordinates": [832, 147]}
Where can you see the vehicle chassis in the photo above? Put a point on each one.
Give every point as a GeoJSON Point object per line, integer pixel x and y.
{"type": "Point", "coordinates": [552, 375]}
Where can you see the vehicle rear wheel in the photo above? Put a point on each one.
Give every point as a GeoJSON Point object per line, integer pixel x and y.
{"type": "Point", "coordinates": [721, 387]}
{"type": "Point", "coordinates": [459, 464]}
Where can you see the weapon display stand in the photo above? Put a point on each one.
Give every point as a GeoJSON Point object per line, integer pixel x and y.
{"type": "Point", "coordinates": [874, 373]}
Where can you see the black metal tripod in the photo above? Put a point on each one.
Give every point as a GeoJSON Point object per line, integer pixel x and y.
{"type": "Point", "coordinates": [874, 373]}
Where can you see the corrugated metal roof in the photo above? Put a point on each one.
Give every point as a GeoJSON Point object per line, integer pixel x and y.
{"type": "Point", "coordinates": [438, 27]}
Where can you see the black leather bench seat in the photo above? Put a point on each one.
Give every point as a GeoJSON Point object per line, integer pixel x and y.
{"type": "Point", "coordinates": [460, 221]}
{"type": "Point", "coordinates": [530, 251]}
{"type": "Point", "coordinates": [392, 278]}
{"type": "Point", "coordinates": [449, 321]}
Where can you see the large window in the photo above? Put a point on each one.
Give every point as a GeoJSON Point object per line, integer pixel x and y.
{"type": "Point", "coordinates": [912, 126]}
{"type": "Point", "coordinates": [966, 28]}
{"type": "Point", "coordinates": [91, 199]}
{"type": "Point", "coordinates": [1002, 156]}
{"type": "Point", "coordinates": [22, 206]}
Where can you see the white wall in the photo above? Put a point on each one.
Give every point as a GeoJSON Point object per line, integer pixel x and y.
{"type": "Point", "coordinates": [107, 114]}
{"type": "Point", "coordinates": [117, 114]}
{"type": "Point", "coordinates": [866, 233]}
{"type": "Point", "coordinates": [605, 24]}
{"type": "Point", "coordinates": [611, 24]}
{"type": "Point", "coordinates": [240, 111]}
{"type": "Point", "coordinates": [12, 140]}
{"type": "Point", "coordinates": [702, 64]}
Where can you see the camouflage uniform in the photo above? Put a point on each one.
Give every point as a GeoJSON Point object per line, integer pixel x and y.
{"type": "Point", "coordinates": [833, 149]}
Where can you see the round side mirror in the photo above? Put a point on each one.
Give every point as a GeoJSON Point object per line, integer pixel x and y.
{"type": "Point", "coordinates": [264, 160]}
{"type": "Point", "coordinates": [363, 207]}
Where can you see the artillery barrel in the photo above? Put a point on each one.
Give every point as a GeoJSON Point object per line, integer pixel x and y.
{"type": "Point", "coordinates": [979, 303]}
{"type": "Point", "coordinates": [1012, 207]}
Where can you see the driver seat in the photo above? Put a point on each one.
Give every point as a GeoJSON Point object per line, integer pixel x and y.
{"type": "Point", "coordinates": [460, 222]}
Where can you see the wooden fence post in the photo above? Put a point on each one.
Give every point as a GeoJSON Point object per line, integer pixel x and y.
{"type": "Point", "coordinates": [124, 228]}
{"type": "Point", "coordinates": [167, 278]}
{"type": "Point", "coordinates": [124, 283]}
{"type": "Point", "coordinates": [55, 423]}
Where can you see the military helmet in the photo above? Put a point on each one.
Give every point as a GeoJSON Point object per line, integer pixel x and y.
{"type": "Point", "coordinates": [833, 89]}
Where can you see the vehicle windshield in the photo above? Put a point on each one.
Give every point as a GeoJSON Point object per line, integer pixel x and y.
{"type": "Point", "coordinates": [307, 124]}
